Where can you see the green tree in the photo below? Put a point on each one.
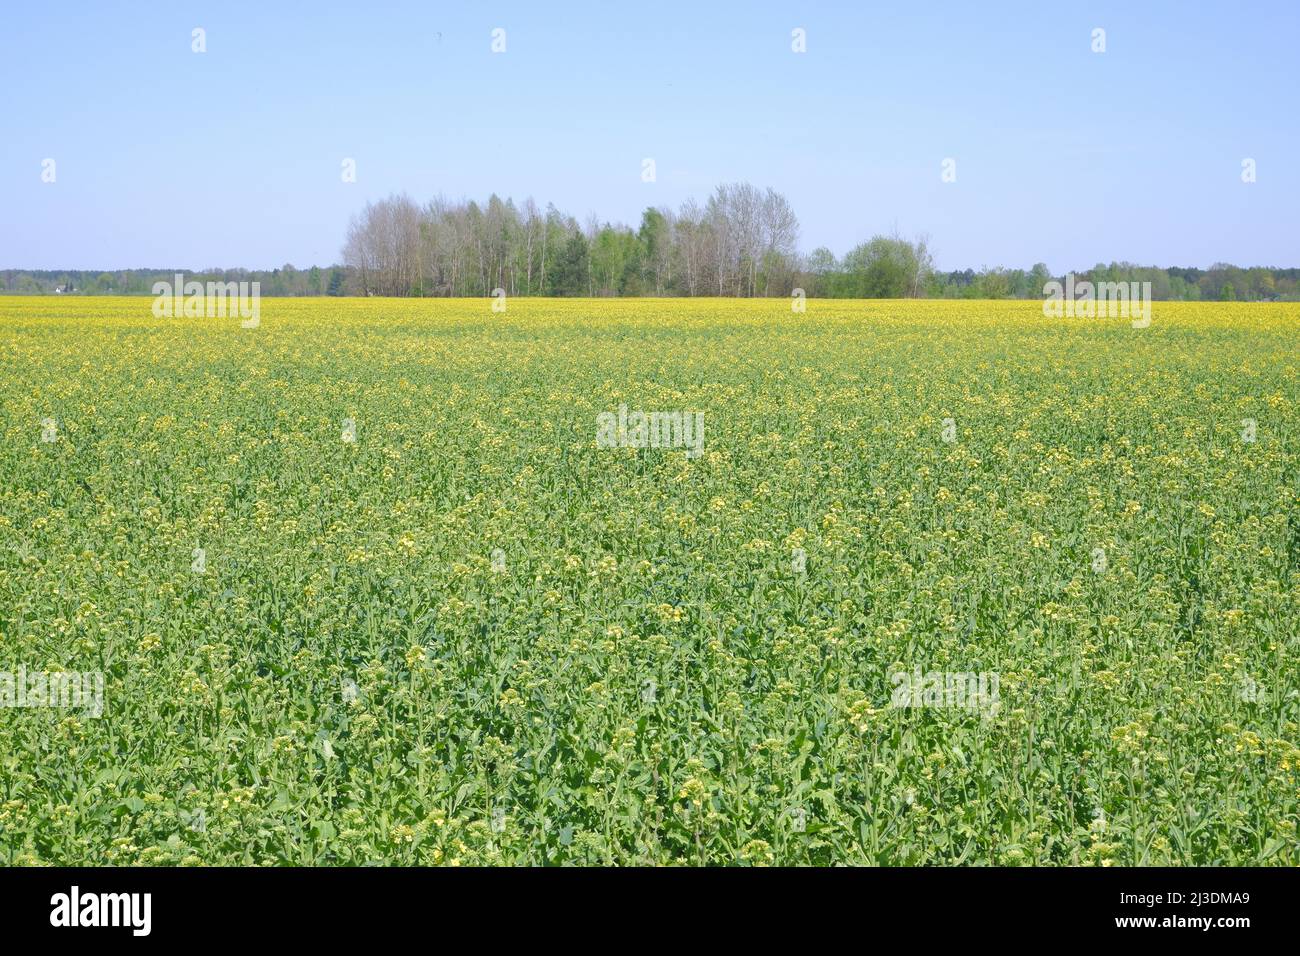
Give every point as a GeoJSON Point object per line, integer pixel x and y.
{"type": "Point", "coordinates": [885, 268]}
{"type": "Point", "coordinates": [568, 275]}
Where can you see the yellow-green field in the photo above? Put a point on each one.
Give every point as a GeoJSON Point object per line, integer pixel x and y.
{"type": "Point", "coordinates": [685, 659]}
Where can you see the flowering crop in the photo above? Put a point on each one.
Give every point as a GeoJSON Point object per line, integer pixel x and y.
{"type": "Point", "coordinates": [364, 586]}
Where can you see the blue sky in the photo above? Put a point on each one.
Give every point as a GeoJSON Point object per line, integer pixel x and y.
{"type": "Point", "coordinates": [167, 158]}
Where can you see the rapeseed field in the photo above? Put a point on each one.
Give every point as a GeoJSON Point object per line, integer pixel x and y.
{"type": "Point", "coordinates": [903, 583]}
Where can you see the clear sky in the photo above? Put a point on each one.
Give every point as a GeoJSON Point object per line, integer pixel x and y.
{"type": "Point", "coordinates": [168, 158]}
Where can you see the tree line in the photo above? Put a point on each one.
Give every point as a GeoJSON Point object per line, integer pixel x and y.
{"type": "Point", "coordinates": [741, 241]}
{"type": "Point", "coordinates": [1222, 282]}
{"type": "Point", "coordinates": [284, 281]}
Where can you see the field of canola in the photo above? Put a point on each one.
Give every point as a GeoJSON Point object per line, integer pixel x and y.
{"type": "Point", "coordinates": [465, 634]}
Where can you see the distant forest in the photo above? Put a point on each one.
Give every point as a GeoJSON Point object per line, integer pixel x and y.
{"type": "Point", "coordinates": [742, 241]}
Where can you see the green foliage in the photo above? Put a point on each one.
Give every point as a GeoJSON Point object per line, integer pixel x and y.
{"type": "Point", "coordinates": [571, 271]}
{"type": "Point", "coordinates": [884, 268]}
{"type": "Point", "coordinates": [645, 674]}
